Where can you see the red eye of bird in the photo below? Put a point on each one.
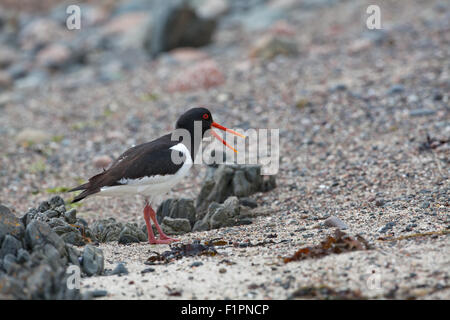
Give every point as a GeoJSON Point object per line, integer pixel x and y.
{"type": "Point", "coordinates": [205, 116]}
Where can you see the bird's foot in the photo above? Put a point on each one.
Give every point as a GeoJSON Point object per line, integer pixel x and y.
{"type": "Point", "coordinates": [162, 241]}
{"type": "Point", "coordinates": [165, 237]}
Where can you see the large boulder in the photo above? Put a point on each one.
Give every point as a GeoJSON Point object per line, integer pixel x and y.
{"type": "Point", "coordinates": [177, 24]}
{"type": "Point", "coordinates": [177, 208]}
{"type": "Point", "coordinates": [232, 180]}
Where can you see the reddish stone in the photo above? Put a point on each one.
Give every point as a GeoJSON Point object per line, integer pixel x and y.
{"type": "Point", "coordinates": [102, 161]}
{"type": "Point", "coordinates": [202, 75]}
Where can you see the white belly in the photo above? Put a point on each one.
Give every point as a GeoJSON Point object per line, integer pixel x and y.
{"type": "Point", "coordinates": [151, 186]}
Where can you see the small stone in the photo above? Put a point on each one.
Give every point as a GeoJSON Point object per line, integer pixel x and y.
{"type": "Point", "coordinates": [248, 202]}
{"type": "Point", "coordinates": [10, 245]}
{"type": "Point", "coordinates": [23, 256]}
{"type": "Point", "coordinates": [7, 56]}
{"type": "Point", "coordinates": [196, 264]}
{"type": "Point", "coordinates": [54, 56]}
{"type": "Point", "coordinates": [92, 260]}
{"type": "Point", "coordinates": [74, 238]}
{"type": "Point", "coordinates": [387, 227]}
{"type": "Point", "coordinates": [6, 81]}
{"type": "Point", "coordinates": [201, 75]}
{"type": "Point", "coordinates": [101, 162]}
{"type": "Point", "coordinates": [379, 202]}
{"type": "Point", "coordinates": [71, 216]}
{"type": "Point", "coordinates": [188, 55]}
{"type": "Point", "coordinates": [51, 214]}
{"type": "Point", "coordinates": [56, 202]}
{"type": "Point", "coordinates": [396, 89]}
{"type": "Point", "coordinates": [99, 293]}
{"type": "Point", "coordinates": [147, 270]}
{"type": "Point", "coordinates": [270, 46]}
{"type": "Point", "coordinates": [335, 222]}
{"type": "Point", "coordinates": [120, 269]}
{"type": "Point", "coordinates": [421, 112]}
{"type": "Point", "coordinates": [222, 270]}
{"type": "Point", "coordinates": [31, 136]}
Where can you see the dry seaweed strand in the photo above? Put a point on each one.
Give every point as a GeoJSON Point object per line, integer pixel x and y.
{"type": "Point", "coordinates": [415, 235]}
{"type": "Point", "coordinates": [339, 243]}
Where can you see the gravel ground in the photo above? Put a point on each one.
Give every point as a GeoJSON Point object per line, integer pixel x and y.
{"type": "Point", "coordinates": [364, 130]}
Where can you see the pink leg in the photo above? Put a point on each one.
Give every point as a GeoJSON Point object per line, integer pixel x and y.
{"type": "Point", "coordinates": [164, 239]}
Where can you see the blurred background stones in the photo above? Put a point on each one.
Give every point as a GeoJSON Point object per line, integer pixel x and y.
{"type": "Point", "coordinates": [36, 45]}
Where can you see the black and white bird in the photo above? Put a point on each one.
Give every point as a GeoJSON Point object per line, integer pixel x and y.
{"type": "Point", "coordinates": [153, 168]}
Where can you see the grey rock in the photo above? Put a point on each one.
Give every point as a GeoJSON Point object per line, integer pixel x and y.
{"type": "Point", "coordinates": [127, 237]}
{"type": "Point", "coordinates": [10, 245]}
{"type": "Point", "coordinates": [225, 215]}
{"type": "Point", "coordinates": [335, 222]}
{"type": "Point", "coordinates": [396, 89]}
{"type": "Point", "coordinates": [147, 270]}
{"type": "Point", "coordinates": [176, 225]}
{"type": "Point", "coordinates": [221, 215]}
{"type": "Point", "coordinates": [73, 254]}
{"type": "Point", "coordinates": [53, 257]}
{"type": "Point", "coordinates": [216, 190]}
{"type": "Point", "coordinates": [106, 230]}
{"type": "Point", "coordinates": [38, 234]}
{"type": "Point", "coordinates": [231, 180]}
{"type": "Point", "coordinates": [59, 222]}
{"type": "Point", "coordinates": [74, 238]}
{"type": "Point", "coordinates": [261, 17]}
{"type": "Point", "coordinates": [43, 206]}
{"type": "Point", "coordinates": [41, 281]}
{"type": "Point", "coordinates": [201, 225]}
{"type": "Point", "coordinates": [421, 112]}
{"type": "Point", "coordinates": [131, 233]}
{"type": "Point", "coordinates": [269, 183]}
{"type": "Point", "coordinates": [61, 209]}
{"type": "Point", "coordinates": [196, 264]}
{"type": "Point", "coordinates": [11, 288]}
{"type": "Point", "coordinates": [134, 5]}
{"type": "Point", "coordinates": [93, 263]}
{"type": "Point", "coordinates": [10, 224]}
{"type": "Point", "coordinates": [56, 202]}
{"type": "Point", "coordinates": [22, 256]}
{"type": "Point", "coordinates": [177, 208]}
{"type": "Point", "coordinates": [71, 216]}
{"type": "Point", "coordinates": [387, 227]}
{"type": "Point", "coordinates": [248, 202]}
{"type": "Point", "coordinates": [241, 186]}
{"type": "Point", "coordinates": [10, 263]}
{"type": "Point", "coordinates": [51, 214]}
{"type": "Point", "coordinates": [176, 24]}
{"type": "Point", "coordinates": [99, 293]}
{"type": "Point", "coordinates": [120, 269]}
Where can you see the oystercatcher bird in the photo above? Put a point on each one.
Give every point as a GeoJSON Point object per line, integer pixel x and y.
{"type": "Point", "coordinates": [153, 168]}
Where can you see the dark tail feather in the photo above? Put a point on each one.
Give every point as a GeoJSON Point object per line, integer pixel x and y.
{"type": "Point", "coordinates": [81, 187]}
{"type": "Point", "coordinates": [88, 188]}
{"type": "Point", "coordinates": [84, 194]}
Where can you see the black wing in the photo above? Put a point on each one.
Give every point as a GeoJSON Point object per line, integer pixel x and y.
{"type": "Point", "coordinates": [145, 160]}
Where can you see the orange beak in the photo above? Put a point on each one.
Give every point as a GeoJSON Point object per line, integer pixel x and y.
{"type": "Point", "coordinates": [218, 126]}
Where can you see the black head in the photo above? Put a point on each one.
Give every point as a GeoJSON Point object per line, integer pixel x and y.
{"type": "Point", "coordinates": [187, 120]}
{"type": "Point", "coordinates": [192, 118]}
